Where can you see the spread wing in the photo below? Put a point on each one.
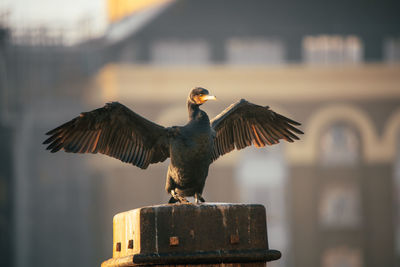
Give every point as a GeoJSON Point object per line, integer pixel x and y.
{"type": "Point", "coordinates": [113, 130]}
{"type": "Point", "coordinates": [244, 123]}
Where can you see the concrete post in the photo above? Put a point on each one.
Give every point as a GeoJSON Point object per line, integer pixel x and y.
{"type": "Point", "coordinates": [187, 234]}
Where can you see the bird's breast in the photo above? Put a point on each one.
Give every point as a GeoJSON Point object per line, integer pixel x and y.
{"type": "Point", "coordinates": [191, 146]}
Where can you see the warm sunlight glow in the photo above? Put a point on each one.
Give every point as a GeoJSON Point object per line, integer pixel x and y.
{"type": "Point", "coordinates": [118, 9]}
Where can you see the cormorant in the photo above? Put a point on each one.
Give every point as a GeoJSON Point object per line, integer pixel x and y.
{"type": "Point", "coordinates": [117, 131]}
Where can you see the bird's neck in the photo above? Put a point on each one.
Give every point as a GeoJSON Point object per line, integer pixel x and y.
{"type": "Point", "coordinates": [194, 110]}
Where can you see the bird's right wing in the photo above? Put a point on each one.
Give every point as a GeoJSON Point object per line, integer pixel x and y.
{"type": "Point", "coordinates": [113, 130]}
{"type": "Point", "coordinates": [243, 124]}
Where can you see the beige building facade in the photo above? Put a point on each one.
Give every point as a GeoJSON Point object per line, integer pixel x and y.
{"type": "Point", "coordinates": [331, 197]}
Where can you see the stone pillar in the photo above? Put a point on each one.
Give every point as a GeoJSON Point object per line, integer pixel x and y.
{"type": "Point", "coordinates": [187, 234]}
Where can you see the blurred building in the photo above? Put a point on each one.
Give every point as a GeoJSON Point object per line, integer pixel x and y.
{"type": "Point", "coordinates": [257, 33]}
{"type": "Point", "coordinates": [332, 199]}
{"type": "Point", "coordinates": [44, 214]}
{"type": "Point", "coordinates": [6, 170]}
{"type": "Point", "coordinates": [333, 190]}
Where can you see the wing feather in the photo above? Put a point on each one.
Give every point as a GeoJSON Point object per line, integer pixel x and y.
{"type": "Point", "coordinates": [243, 124]}
{"type": "Point", "coordinates": [113, 130]}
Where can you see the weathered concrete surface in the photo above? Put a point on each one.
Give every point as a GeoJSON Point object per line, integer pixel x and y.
{"type": "Point", "coordinates": [191, 234]}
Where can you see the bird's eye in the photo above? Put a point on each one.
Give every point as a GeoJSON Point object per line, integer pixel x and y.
{"type": "Point", "coordinates": [200, 94]}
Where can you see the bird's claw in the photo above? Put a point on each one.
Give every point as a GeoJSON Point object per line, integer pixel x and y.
{"type": "Point", "coordinates": [198, 199]}
{"type": "Point", "coordinates": [177, 198]}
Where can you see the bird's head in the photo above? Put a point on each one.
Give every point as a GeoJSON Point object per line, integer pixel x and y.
{"type": "Point", "coordinates": [199, 96]}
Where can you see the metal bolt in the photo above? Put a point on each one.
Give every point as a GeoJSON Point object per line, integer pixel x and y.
{"type": "Point", "coordinates": [192, 233]}
{"type": "Point", "coordinates": [235, 239]}
{"type": "Point", "coordinates": [130, 244]}
{"type": "Point", "coordinates": [173, 241]}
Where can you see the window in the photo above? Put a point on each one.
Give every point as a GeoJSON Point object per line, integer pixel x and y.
{"type": "Point", "coordinates": [254, 51]}
{"type": "Point", "coordinates": [332, 49]}
{"type": "Point", "coordinates": [391, 50]}
{"type": "Point", "coordinates": [178, 52]}
{"type": "Point", "coordinates": [262, 178]}
{"type": "Point", "coordinates": [339, 206]}
{"type": "Point", "coordinates": [342, 256]}
{"type": "Point", "coordinates": [129, 53]}
{"type": "Point", "coordinates": [397, 199]}
{"type": "Point", "coordinates": [339, 146]}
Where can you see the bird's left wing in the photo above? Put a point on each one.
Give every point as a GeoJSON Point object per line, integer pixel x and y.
{"type": "Point", "coordinates": [243, 124]}
{"type": "Point", "coordinates": [113, 130]}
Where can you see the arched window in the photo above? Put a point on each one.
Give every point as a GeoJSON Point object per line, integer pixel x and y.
{"type": "Point", "coordinates": [339, 146]}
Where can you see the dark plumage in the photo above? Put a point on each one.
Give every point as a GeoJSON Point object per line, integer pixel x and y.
{"type": "Point", "coordinates": [119, 132]}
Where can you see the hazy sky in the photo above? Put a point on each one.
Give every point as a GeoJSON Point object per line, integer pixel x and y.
{"type": "Point", "coordinates": [55, 13]}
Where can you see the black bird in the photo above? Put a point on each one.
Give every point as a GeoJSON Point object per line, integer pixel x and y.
{"type": "Point", "coordinates": [117, 131]}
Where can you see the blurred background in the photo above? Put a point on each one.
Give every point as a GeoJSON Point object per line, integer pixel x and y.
{"type": "Point", "coordinates": [332, 198]}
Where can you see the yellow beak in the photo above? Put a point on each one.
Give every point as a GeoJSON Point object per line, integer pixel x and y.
{"type": "Point", "coordinates": [204, 98]}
